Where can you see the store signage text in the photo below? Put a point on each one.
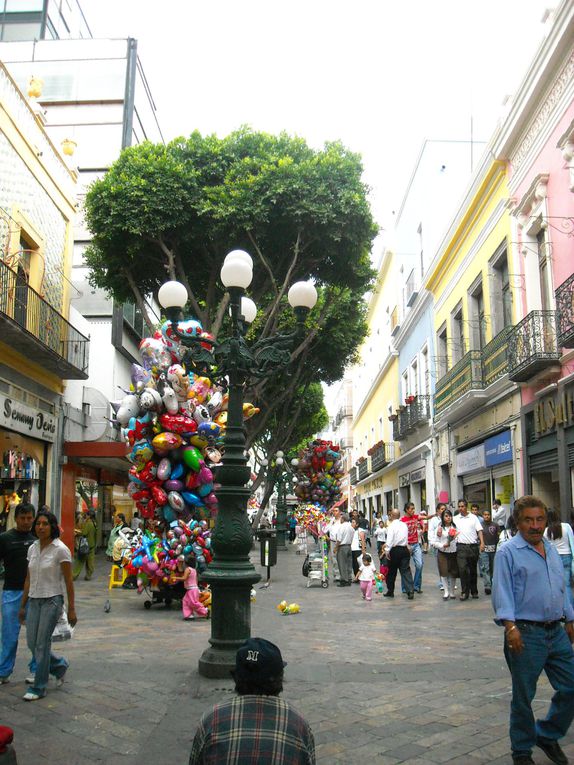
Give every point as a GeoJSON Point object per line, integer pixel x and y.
{"type": "Point", "coordinates": [404, 480]}
{"type": "Point", "coordinates": [498, 449]}
{"type": "Point", "coordinates": [470, 459]}
{"type": "Point", "coordinates": [24, 419]}
{"type": "Point", "coordinates": [552, 411]}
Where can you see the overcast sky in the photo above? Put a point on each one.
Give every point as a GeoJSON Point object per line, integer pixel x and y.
{"type": "Point", "coordinates": [381, 76]}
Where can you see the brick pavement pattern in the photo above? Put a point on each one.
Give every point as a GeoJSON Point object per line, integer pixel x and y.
{"type": "Point", "coordinates": [387, 682]}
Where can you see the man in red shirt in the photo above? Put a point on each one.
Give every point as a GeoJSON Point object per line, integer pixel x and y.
{"type": "Point", "coordinates": [414, 525]}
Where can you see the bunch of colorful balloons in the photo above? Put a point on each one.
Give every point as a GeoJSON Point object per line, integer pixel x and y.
{"type": "Point", "coordinates": [173, 422]}
{"type": "Point", "coordinates": [319, 473]}
{"type": "Point", "coordinates": [154, 557]}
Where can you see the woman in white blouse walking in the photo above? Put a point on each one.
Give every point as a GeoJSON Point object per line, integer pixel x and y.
{"type": "Point", "coordinates": [49, 573]}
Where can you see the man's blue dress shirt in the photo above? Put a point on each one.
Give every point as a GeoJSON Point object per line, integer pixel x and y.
{"type": "Point", "coordinates": [526, 586]}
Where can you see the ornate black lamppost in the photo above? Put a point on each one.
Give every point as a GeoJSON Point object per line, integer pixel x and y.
{"type": "Point", "coordinates": [282, 477]}
{"type": "Point", "coordinates": [231, 362]}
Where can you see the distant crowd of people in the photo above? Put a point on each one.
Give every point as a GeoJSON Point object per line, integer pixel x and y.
{"type": "Point", "coordinates": [464, 544]}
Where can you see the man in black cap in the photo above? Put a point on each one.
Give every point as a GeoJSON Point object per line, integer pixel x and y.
{"type": "Point", "coordinates": [256, 726]}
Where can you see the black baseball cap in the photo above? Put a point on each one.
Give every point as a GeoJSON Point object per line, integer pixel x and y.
{"type": "Point", "coordinates": [259, 659]}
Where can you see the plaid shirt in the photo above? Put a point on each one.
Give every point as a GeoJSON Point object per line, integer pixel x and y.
{"type": "Point", "coordinates": [253, 730]}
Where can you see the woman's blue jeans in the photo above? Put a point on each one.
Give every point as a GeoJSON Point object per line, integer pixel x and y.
{"type": "Point", "coordinates": [11, 600]}
{"type": "Point", "coordinates": [567, 563]}
{"type": "Point", "coordinates": [549, 650]}
{"type": "Point", "coordinates": [43, 614]}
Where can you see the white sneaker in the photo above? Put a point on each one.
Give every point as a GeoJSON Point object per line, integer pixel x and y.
{"type": "Point", "coordinates": [32, 696]}
{"type": "Point", "coordinates": [30, 680]}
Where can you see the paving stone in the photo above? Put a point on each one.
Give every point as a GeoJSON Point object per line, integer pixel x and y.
{"type": "Point", "coordinates": [388, 683]}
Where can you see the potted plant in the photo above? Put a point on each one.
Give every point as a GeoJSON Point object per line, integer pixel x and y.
{"type": "Point", "coordinates": [393, 417]}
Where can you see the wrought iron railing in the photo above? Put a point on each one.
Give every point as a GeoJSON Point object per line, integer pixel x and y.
{"type": "Point", "coordinates": [396, 429]}
{"type": "Point", "coordinates": [344, 411]}
{"type": "Point", "coordinates": [353, 476]}
{"type": "Point", "coordinates": [378, 458]}
{"type": "Point", "coordinates": [411, 288]}
{"type": "Point", "coordinates": [364, 468]}
{"type": "Point", "coordinates": [419, 411]}
{"type": "Point", "coordinates": [565, 313]}
{"type": "Point", "coordinates": [532, 345]}
{"type": "Point", "coordinates": [389, 452]}
{"type": "Point", "coordinates": [26, 308]}
{"type": "Point", "coordinates": [464, 376]}
{"type": "Point", "coordinates": [495, 357]}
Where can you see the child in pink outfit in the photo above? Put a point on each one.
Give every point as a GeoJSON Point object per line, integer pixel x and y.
{"type": "Point", "coordinates": [366, 577]}
{"type": "Point", "coordinates": [190, 603]}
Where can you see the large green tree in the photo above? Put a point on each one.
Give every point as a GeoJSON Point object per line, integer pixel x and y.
{"type": "Point", "coordinates": [173, 212]}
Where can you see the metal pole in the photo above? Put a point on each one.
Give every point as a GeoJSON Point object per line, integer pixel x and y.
{"type": "Point", "coordinates": [231, 574]}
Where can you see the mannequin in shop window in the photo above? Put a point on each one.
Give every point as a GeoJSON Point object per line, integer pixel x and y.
{"type": "Point", "coordinates": [11, 502]}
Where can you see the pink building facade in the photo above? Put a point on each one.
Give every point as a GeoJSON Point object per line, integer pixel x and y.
{"type": "Point", "coordinates": [537, 141]}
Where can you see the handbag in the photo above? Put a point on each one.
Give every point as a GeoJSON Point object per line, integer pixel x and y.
{"type": "Point", "coordinates": [83, 547]}
{"type": "Point", "coordinates": [305, 566]}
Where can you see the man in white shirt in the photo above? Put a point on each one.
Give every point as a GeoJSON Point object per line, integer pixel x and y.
{"type": "Point", "coordinates": [469, 545]}
{"type": "Point", "coordinates": [397, 551]}
{"type": "Point", "coordinates": [331, 532]}
{"type": "Point", "coordinates": [499, 514]}
{"type": "Point", "coordinates": [344, 537]}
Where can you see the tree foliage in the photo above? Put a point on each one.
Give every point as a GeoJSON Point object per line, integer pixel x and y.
{"type": "Point", "coordinates": [175, 211]}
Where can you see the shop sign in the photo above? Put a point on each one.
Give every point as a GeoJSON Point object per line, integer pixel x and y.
{"type": "Point", "coordinates": [404, 480]}
{"type": "Point", "coordinates": [498, 449]}
{"type": "Point", "coordinates": [418, 475]}
{"type": "Point", "coordinates": [552, 411]}
{"type": "Point", "coordinates": [24, 419]}
{"type": "Point", "coordinates": [470, 459]}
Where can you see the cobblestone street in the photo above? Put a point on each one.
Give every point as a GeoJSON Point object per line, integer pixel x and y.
{"type": "Point", "coordinates": [388, 681]}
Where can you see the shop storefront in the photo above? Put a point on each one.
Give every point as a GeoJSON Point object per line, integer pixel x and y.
{"type": "Point", "coordinates": [416, 479]}
{"type": "Point", "coordinates": [549, 425]}
{"type": "Point", "coordinates": [27, 436]}
{"type": "Point", "coordinates": [378, 493]}
{"type": "Point", "coordinates": [485, 471]}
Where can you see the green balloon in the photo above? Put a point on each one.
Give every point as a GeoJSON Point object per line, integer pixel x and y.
{"type": "Point", "coordinates": [192, 457]}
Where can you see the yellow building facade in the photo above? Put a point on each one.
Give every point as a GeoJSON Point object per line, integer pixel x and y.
{"type": "Point", "coordinates": [39, 348]}
{"type": "Point", "coordinates": [475, 292]}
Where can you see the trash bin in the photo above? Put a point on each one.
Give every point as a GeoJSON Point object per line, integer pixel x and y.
{"type": "Point", "coordinates": [268, 541]}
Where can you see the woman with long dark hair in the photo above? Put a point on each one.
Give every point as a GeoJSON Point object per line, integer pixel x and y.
{"type": "Point", "coordinates": [445, 543]}
{"type": "Point", "coordinates": [562, 537]}
{"type": "Point", "coordinates": [49, 574]}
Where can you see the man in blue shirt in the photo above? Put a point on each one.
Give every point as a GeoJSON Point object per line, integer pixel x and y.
{"type": "Point", "coordinates": [530, 601]}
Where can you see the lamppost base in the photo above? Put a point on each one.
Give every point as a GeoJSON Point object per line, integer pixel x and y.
{"type": "Point", "coordinates": [231, 584]}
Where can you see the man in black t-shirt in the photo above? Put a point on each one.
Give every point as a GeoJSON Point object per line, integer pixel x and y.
{"type": "Point", "coordinates": [490, 533]}
{"type": "Point", "coordinates": [14, 546]}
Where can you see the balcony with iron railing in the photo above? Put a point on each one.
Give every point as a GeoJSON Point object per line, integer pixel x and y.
{"type": "Point", "coordinates": [533, 346]}
{"type": "Point", "coordinates": [495, 357]}
{"type": "Point", "coordinates": [364, 469]}
{"type": "Point", "coordinates": [379, 458]}
{"type": "Point", "coordinates": [395, 321]}
{"type": "Point", "coordinates": [466, 375]}
{"type": "Point", "coordinates": [411, 289]}
{"type": "Point", "coordinates": [346, 442]}
{"type": "Point", "coordinates": [353, 476]}
{"type": "Point", "coordinates": [344, 411]}
{"type": "Point", "coordinates": [565, 313]}
{"type": "Point", "coordinates": [32, 326]}
{"type": "Point", "coordinates": [419, 411]}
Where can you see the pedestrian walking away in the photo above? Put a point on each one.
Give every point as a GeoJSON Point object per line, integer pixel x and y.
{"type": "Point", "coordinates": [87, 530]}
{"type": "Point", "coordinates": [414, 525]}
{"type": "Point", "coordinates": [490, 535]}
{"type": "Point", "coordinates": [49, 573]}
{"type": "Point", "coordinates": [397, 551]}
{"type": "Point", "coordinates": [366, 577]}
{"type": "Point", "coordinates": [358, 548]}
{"type": "Point", "coordinates": [469, 545]}
{"type": "Point", "coordinates": [531, 603]}
{"type": "Point", "coordinates": [256, 726]}
{"type": "Point", "coordinates": [561, 536]}
{"type": "Point", "coordinates": [14, 546]}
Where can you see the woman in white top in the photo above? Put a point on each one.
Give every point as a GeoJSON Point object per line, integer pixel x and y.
{"type": "Point", "coordinates": [562, 537]}
{"type": "Point", "coordinates": [49, 573]}
{"type": "Point", "coordinates": [444, 540]}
